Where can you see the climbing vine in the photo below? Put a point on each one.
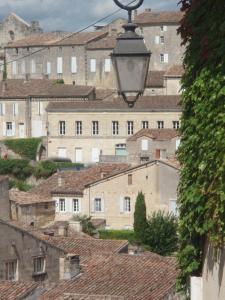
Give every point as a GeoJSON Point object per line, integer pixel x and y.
{"type": "Point", "coordinates": [202, 152]}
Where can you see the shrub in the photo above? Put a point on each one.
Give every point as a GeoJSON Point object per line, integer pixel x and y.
{"type": "Point", "coordinates": [17, 167]}
{"type": "Point", "coordinates": [118, 235]}
{"type": "Point", "coordinates": [87, 225]}
{"type": "Point", "coordinates": [27, 148]}
{"type": "Point", "coordinates": [161, 233]}
{"type": "Point", "coordinates": [140, 222]}
{"type": "Point", "coordinates": [20, 185]}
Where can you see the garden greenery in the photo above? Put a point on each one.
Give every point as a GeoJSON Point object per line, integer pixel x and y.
{"type": "Point", "coordinates": [202, 152]}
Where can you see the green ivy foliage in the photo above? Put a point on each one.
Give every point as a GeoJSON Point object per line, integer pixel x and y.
{"type": "Point", "coordinates": [27, 148]}
{"type": "Point", "coordinates": [202, 152]}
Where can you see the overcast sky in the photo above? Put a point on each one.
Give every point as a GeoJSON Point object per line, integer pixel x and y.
{"type": "Point", "coordinates": [71, 15]}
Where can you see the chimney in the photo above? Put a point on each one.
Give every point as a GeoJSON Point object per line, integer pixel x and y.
{"type": "Point", "coordinates": [62, 231]}
{"type": "Point", "coordinates": [69, 266]}
{"type": "Point", "coordinates": [75, 226]}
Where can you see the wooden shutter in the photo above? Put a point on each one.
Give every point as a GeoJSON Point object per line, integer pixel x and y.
{"type": "Point", "coordinates": [157, 39]}
{"type": "Point", "coordinates": [166, 58]}
{"type": "Point", "coordinates": [93, 65]}
{"type": "Point", "coordinates": [73, 64]}
{"type": "Point", "coordinates": [3, 109]}
{"type": "Point", "coordinates": [157, 154]}
{"type": "Point", "coordinates": [107, 64]}
{"type": "Point", "coordinates": [48, 68]}
{"type": "Point", "coordinates": [59, 65]}
{"type": "Point", "coordinates": [121, 203]}
{"type": "Point", "coordinates": [13, 128]}
{"type": "Point", "coordinates": [14, 67]}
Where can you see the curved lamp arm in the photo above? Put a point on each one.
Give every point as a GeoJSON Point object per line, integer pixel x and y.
{"type": "Point", "coordinates": [129, 8]}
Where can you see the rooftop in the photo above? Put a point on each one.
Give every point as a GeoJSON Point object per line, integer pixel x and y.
{"type": "Point", "coordinates": [175, 71]}
{"type": "Point", "coordinates": [74, 182]}
{"type": "Point", "coordinates": [144, 103]}
{"type": "Point", "coordinates": [108, 42]}
{"type": "Point", "coordinates": [19, 88]}
{"type": "Point", "coordinates": [121, 276]}
{"type": "Point", "coordinates": [155, 79]}
{"type": "Point", "coordinates": [157, 18]}
{"type": "Point", "coordinates": [10, 290]}
{"type": "Point", "coordinates": [156, 134]}
{"type": "Point", "coordinates": [26, 198]}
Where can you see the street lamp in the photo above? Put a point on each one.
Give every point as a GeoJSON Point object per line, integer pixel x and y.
{"type": "Point", "coordinates": [130, 59]}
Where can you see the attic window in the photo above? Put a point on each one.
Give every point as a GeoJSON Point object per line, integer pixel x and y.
{"type": "Point", "coordinates": [12, 35]}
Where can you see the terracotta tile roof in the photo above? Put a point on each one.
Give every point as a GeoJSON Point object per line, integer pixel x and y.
{"type": "Point", "coordinates": [145, 103]}
{"type": "Point", "coordinates": [173, 163]}
{"type": "Point", "coordinates": [108, 42]}
{"type": "Point", "coordinates": [129, 277]}
{"type": "Point", "coordinates": [11, 290]}
{"type": "Point", "coordinates": [26, 198]}
{"type": "Point", "coordinates": [102, 94]}
{"type": "Point", "coordinates": [156, 134]}
{"type": "Point", "coordinates": [43, 39]}
{"type": "Point", "coordinates": [74, 182]}
{"type": "Point", "coordinates": [82, 38]}
{"type": "Point", "coordinates": [160, 17]}
{"type": "Point", "coordinates": [18, 88]}
{"type": "Point", "coordinates": [155, 79]}
{"type": "Point", "coordinates": [175, 71]}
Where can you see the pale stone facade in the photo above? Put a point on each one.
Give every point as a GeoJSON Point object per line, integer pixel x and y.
{"type": "Point", "coordinates": [116, 195]}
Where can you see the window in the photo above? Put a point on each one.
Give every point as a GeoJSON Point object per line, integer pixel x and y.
{"type": "Point", "coordinates": [129, 179]}
{"type": "Point", "coordinates": [120, 150]}
{"type": "Point", "coordinates": [48, 68]}
{"type": "Point", "coordinates": [12, 35]}
{"type": "Point", "coordinates": [127, 204]}
{"type": "Point", "coordinates": [9, 129]}
{"type": "Point", "coordinates": [164, 58]}
{"type": "Point", "coordinates": [115, 127]}
{"type": "Point", "coordinates": [157, 39]}
{"type": "Point", "coordinates": [95, 128]}
{"type": "Point", "coordinates": [130, 127]}
{"type": "Point", "coordinates": [144, 144]}
{"type": "Point", "coordinates": [176, 124]}
{"type": "Point", "coordinates": [62, 127]}
{"type": "Point", "coordinates": [177, 143]}
{"type": "Point", "coordinates": [78, 128]}
{"type": "Point", "coordinates": [162, 39]}
{"type": "Point", "coordinates": [62, 152]}
{"type": "Point", "coordinates": [78, 155]}
{"type": "Point", "coordinates": [59, 65]}
{"type": "Point", "coordinates": [93, 65]}
{"type": "Point", "coordinates": [144, 124]}
{"type": "Point", "coordinates": [76, 206]}
{"type": "Point", "coordinates": [107, 65]}
{"type": "Point", "coordinates": [163, 28]}
{"type": "Point", "coordinates": [33, 66]}
{"type": "Point", "coordinates": [98, 205]}
{"type": "Point", "coordinates": [15, 109]}
{"type": "Point", "coordinates": [39, 265]}
{"type": "Point", "coordinates": [162, 154]}
{"type": "Point", "coordinates": [62, 205]}
{"type": "Point", "coordinates": [11, 270]}
{"type": "Point", "coordinates": [40, 108]}
{"type": "Point", "coordinates": [160, 124]}
{"type": "Point", "coordinates": [73, 64]}
{"type": "Point", "coordinates": [14, 67]}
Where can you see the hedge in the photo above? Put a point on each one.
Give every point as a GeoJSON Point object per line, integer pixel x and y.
{"type": "Point", "coordinates": [19, 168]}
{"type": "Point", "coordinates": [118, 235]}
{"type": "Point", "coordinates": [20, 185]}
{"type": "Point", "coordinates": [27, 148]}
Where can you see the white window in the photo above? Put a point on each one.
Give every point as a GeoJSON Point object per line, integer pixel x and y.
{"type": "Point", "coordinates": [78, 155]}
{"type": "Point", "coordinates": [144, 144]}
{"type": "Point", "coordinates": [93, 65]}
{"type": "Point", "coordinates": [176, 124]}
{"type": "Point", "coordinates": [107, 65]}
{"type": "Point", "coordinates": [49, 68]}
{"type": "Point", "coordinates": [15, 109]}
{"type": "Point", "coordinates": [62, 205]}
{"type": "Point", "coordinates": [10, 128]}
{"type": "Point", "coordinates": [97, 205]}
{"type": "Point", "coordinates": [33, 66]}
{"type": "Point", "coordinates": [78, 127]}
{"type": "Point", "coordinates": [95, 154]}
{"type": "Point", "coordinates": [95, 128]}
{"type": "Point", "coordinates": [14, 67]}
{"type": "Point", "coordinates": [157, 39]}
{"type": "Point", "coordinates": [177, 143]}
{"type": "Point", "coordinates": [164, 58]}
{"type": "Point", "coordinates": [2, 109]}
{"type": "Point", "coordinates": [59, 65]}
{"type": "Point", "coordinates": [62, 127]}
{"type": "Point", "coordinates": [115, 127]}
{"type": "Point", "coordinates": [39, 265]}
{"type": "Point", "coordinates": [163, 28]}
{"type": "Point", "coordinates": [127, 204]}
{"type": "Point", "coordinates": [160, 124]}
{"type": "Point", "coordinates": [162, 154]}
{"type": "Point", "coordinates": [130, 127]}
{"type": "Point", "coordinates": [162, 39]}
{"type": "Point", "coordinates": [76, 205]}
{"type": "Point", "coordinates": [62, 152]}
{"type": "Point", "coordinates": [11, 270]}
{"type": "Point", "coordinates": [73, 64]}
{"type": "Point", "coordinates": [173, 207]}
{"type": "Point", "coordinates": [144, 124]}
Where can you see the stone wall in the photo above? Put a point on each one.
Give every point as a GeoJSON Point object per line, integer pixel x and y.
{"type": "Point", "coordinates": [4, 199]}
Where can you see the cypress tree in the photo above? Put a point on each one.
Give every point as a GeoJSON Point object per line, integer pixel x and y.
{"type": "Point", "coordinates": [140, 221]}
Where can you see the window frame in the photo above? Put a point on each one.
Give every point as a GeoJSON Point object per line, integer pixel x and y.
{"type": "Point", "coordinates": [39, 265]}
{"type": "Point", "coordinates": [78, 128]}
{"type": "Point", "coordinates": [115, 128]}
{"type": "Point", "coordinates": [98, 205]}
{"type": "Point", "coordinates": [176, 125]}
{"type": "Point", "coordinates": [144, 123]}
{"type": "Point", "coordinates": [76, 204]}
{"type": "Point", "coordinates": [93, 65]}
{"type": "Point", "coordinates": [127, 205]}
{"type": "Point", "coordinates": [130, 127]}
{"type": "Point", "coordinates": [62, 204]}
{"type": "Point", "coordinates": [11, 266]}
{"type": "Point", "coordinates": [95, 127]}
{"type": "Point", "coordinates": [160, 124]}
{"type": "Point", "coordinates": [62, 127]}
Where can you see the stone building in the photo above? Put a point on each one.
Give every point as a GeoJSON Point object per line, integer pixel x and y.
{"type": "Point", "coordinates": [82, 131]}
{"type": "Point", "coordinates": [23, 104]}
{"type": "Point", "coordinates": [84, 58]}
{"type": "Point", "coordinates": [149, 144]}
{"type": "Point", "coordinates": [30, 209]}
{"type": "Point", "coordinates": [108, 191]}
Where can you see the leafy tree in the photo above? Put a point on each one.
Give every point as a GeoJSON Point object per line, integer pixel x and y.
{"type": "Point", "coordinates": [140, 217]}
{"type": "Point", "coordinates": [202, 155]}
{"type": "Point", "coordinates": [161, 233]}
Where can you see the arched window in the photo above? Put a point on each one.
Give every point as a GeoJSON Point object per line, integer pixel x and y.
{"type": "Point", "coordinates": [12, 35]}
